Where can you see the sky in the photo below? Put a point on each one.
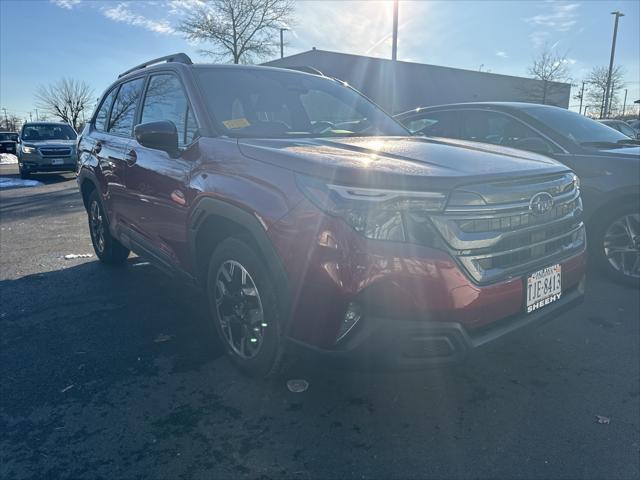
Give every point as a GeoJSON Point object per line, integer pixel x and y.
{"type": "Point", "coordinates": [42, 41]}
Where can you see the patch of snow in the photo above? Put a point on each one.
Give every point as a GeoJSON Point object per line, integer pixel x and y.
{"type": "Point", "coordinates": [72, 256]}
{"type": "Point", "coordinates": [8, 158]}
{"type": "Point", "coordinates": [10, 182]}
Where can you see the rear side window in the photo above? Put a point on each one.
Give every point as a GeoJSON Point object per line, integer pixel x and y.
{"type": "Point", "coordinates": [165, 100]}
{"type": "Point", "coordinates": [124, 108]}
{"type": "Point", "coordinates": [434, 124]}
{"type": "Point", "coordinates": [103, 113]}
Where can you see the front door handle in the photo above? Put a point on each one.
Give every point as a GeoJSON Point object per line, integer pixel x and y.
{"type": "Point", "coordinates": [131, 157]}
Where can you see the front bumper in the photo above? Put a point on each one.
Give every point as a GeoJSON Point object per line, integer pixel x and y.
{"type": "Point", "coordinates": [418, 305]}
{"type": "Point", "coordinates": [8, 148]}
{"type": "Point", "coordinates": [37, 163]}
{"type": "Point", "coordinates": [406, 344]}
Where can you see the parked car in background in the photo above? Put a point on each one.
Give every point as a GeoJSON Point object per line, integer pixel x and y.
{"type": "Point", "coordinates": [622, 127]}
{"type": "Point", "coordinates": [310, 218]}
{"type": "Point", "coordinates": [8, 142]}
{"type": "Point", "coordinates": [606, 161]}
{"type": "Point", "coordinates": [46, 147]}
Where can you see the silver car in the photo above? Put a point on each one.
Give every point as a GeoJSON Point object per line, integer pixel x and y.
{"type": "Point", "coordinates": [46, 147]}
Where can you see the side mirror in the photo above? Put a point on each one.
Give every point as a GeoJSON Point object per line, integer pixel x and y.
{"type": "Point", "coordinates": [161, 135]}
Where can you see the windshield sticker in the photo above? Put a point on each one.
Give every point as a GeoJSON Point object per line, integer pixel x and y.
{"type": "Point", "coordinates": [236, 123]}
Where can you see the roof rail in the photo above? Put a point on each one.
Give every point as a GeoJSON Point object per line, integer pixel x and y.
{"type": "Point", "coordinates": [306, 69]}
{"type": "Point", "coordinates": [176, 57]}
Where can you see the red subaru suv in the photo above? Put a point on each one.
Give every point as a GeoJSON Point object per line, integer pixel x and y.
{"type": "Point", "coordinates": [311, 218]}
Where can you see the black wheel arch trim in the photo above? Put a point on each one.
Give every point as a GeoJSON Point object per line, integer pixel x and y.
{"type": "Point", "coordinates": [87, 175]}
{"type": "Point", "coordinates": [210, 206]}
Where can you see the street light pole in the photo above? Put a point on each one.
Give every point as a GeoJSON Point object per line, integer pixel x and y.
{"type": "Point", "coordinates": [6, 120]}
{"type": "Point", "coordinates": [282, 30]}
{"type": "Point", "coordinates": [613, 53]}
{"type": "Point", "coordinates": [624, 105]}
{"type": "Point", "coordinates": [581, 97]}
{"type": "Point", "coordinates": [394, 45]}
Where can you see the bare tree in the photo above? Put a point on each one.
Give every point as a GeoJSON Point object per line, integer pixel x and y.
{"type": "Point", "coordinates": [597, 81]}
{"type": "Point", "coordinates": [66, 99]}
{"type": "Point", "coordinates": [550, 68]}
{"type": "Point", "coordinates": [240, 30]}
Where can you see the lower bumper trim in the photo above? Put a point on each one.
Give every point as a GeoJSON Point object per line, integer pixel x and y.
{"type": "Point", "coordinates": [412, 344]}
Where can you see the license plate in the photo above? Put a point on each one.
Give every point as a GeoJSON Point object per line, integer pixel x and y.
{"type": "Point", "coordinates": [57, 161]}
{"type": "Point", "coordinates": [544, 287]}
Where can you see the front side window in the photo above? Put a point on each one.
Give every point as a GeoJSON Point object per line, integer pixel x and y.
{"type": "Point", "coordinates": [124, 108]}
{"type": "Point", "coordinates": [254, 102]}
{"type": "Point", "coordinates": [103, 113]}
{"type": "Point", "coordinates": [165, 100]}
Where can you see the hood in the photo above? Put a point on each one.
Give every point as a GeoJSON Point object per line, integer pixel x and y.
{"type": "Point", "coordinates": [398, 162]}
{"type": "Point", "coordinates": [49, 143]}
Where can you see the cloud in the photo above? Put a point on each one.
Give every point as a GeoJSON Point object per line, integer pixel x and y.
{"type": "Point", "coordinates": [68, 4]}
{"type": "Point", "coordinates": [121, 13]}
{"type": "Point", "coordinates": [502, 54]}
{"type": "Point", "coordinates": [539, 38]}
{"type": "Point", "coordinates": [561, 17]}
{"type": "Point", "coordinates": [178, 7]}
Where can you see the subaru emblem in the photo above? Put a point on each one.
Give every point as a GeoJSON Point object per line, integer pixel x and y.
{"type": "Point", "coordinates": [541, 203]}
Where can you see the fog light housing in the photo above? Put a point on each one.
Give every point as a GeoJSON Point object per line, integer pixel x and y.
{"type": "Point", "coordinates": [351, 317]}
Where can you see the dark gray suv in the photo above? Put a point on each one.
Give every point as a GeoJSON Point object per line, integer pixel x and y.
{"type": "Point", "coordinates": [46, 147]}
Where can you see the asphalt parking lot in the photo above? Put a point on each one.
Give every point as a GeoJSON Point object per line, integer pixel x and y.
{"type": "Point", "coordinates": [116, 373]}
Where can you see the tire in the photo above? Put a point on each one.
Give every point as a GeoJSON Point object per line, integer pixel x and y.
{"type": "Point", "coordinates": [24, 174]}
{"type": "Point", "coordinates": [107, 248]}
{"type": "Point", "coordinates": [620, 230]}
{"type": "Point", "coordinates": [238, 312]}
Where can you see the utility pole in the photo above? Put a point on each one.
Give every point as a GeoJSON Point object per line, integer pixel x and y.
{"type": "Point", "coordinates": [37, 119]}
{"type": "Point", "coordinates": [581, 97]}
{"type": "Point", "coordinates": [282, 30]}
{"type": "Point", "coordinates": [394, 45]}
{"type": "Point", "coordinates": [613, 53]}
{"type": "Point", "coordinates": [6, 120]}
{"type": "Point", "coordinates": [30, 117]}
{"type": "Point", "coordinates": [624, 105]}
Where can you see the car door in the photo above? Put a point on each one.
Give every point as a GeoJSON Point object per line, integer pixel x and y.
{"type": "Point", "coordinates": [110, 141]}
{"type": "Point", "coordinates": [158, 181]}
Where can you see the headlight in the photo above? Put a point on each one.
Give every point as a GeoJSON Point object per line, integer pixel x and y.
{"type": "Point", "coordinates": [378, 214]}
{"type": "Point", "coordinates": [26, 149]}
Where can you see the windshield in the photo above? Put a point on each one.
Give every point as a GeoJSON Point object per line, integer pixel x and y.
{"type": "Point", "coordinates": [39, 132]}
{"type": "Point", "coordinates": [274, 104]}
{"type": "Point", "coordinates": [4, 136]}
{"type": "Point", "coordinates": [573, 126]}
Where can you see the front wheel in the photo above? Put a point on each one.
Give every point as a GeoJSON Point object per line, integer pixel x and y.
{"type": "Point", "coordinates": [23, 173]}
{"type": "Point", "coordinates": [617, 240]}
{"type": "Point", "coordinates": [107, 248]}
{"type": "Point", "coordinates": [244, 308]}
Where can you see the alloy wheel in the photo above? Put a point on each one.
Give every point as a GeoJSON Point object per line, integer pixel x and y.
{"type": "Point", "coordinates": [239, 309]}
{"type": "Point", "coordinates": [97, 226]}
{"type": "Point", "coordinates": [622, 245]}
